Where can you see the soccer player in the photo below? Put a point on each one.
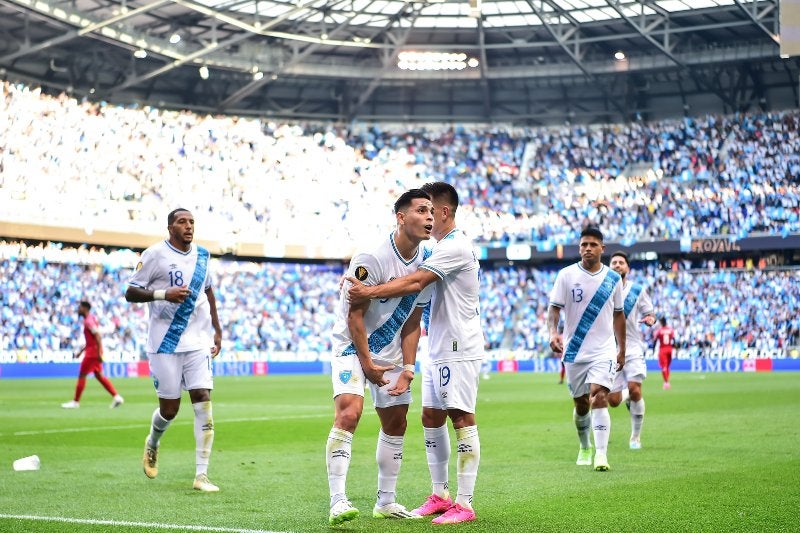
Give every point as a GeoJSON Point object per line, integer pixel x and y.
{"type": "Point", "coordinates": [665, 339]}
{"type": "Point", "coordinates": [375, 343]}
{"type": "Point", "coordinates": [456, 343]}
{"type": "Point", "coordinates": [184, 334]}
{"type": "Point", "coordinates": [590, 294]}
{"type": "Point", "coordinates": [638, 309]}
{"type": "Point", "coordinates": [92, 360]}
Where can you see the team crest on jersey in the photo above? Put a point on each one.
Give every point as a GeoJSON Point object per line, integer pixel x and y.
{"type": "Point", "coordinates": [345, 375]}
{"type": "Point", "coordinates": [361, 273]}
{"type": "Point", "coordinates": [138, 266]}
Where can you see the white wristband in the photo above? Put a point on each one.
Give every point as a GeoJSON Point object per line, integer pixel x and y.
{"type": "Point", "coordinates": [160, 294]}
{"type": "Point", "coordinates": [410, 368]}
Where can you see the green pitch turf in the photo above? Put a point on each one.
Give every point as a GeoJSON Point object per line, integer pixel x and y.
{"type": "Point", "coordinates": [720, 454]}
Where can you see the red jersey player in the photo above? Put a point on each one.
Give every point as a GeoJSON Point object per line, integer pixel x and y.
{"type": "Point", "coordinates": [665, 338]}
{"type": "Point", "coordinates": [92, 360]}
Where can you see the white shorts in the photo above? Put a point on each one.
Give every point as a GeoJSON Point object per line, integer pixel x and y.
{"type": "Point", "coordinates": [451, 385]}
{"type": "Point", "coordinates": [634, 370]}
{"type": "Point", "coordinates": [581, 375]}
{"type": "Point", "coordinates": [172, 372]}
{"type": "Point", "coordinates": [348, 378]}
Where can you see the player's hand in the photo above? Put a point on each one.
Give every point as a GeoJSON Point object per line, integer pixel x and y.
{"type": "Point", "coordinates": [403, 384]}
{"type": "Point", "coordinates": [375, 374]}
{"type": "Point", "coordinates": [557, 343]}
{"type": "Point", "coordinates": [358, 293]}
{"type": "Point", "coordinates": [76, 355]}
{"type": "Point", "coordinates": [217, 345]}
{"type": "Point", "coordinates": [620, 360]}
{"type": "Point", "coordinates": [649, 320]}
{"type": "Point", "coordinates": [177, 295]}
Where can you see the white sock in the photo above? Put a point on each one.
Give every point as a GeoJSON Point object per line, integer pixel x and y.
{"type": "Point", "coordinates": [337, 456]}
{"type": "Point", "coordinates": [469, 457]}
{"type": "Point", "coordinates": [625, 394]}
{"type": "Point", "coordinates": [158, 426]}
{"type": "Point", "coordinates": [583, 424]}
{"type": "Point", "coordinates": [203, 435]}
{"type": "Point", "coordinates": [601, 426]}
{"type": "Point", "coordinates": [437, 449]}
{"type": "Point", "coordinates": [389, 455]}
{"type": "Point", "coordinates": [637, 418]}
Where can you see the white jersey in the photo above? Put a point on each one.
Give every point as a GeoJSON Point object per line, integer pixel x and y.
{"type": "Point", "coordinates": [636, 305]}
{"type": "Point", "coordinates": [385, 317]}
{"type": "Point", "coordinates": [176, 327]}
{"type": "Point", "coordinates": [589, 301]}
{"type": "Point", "coordinates": [455, 332]}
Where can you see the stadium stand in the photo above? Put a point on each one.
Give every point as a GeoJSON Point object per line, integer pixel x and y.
{"type": "Point", "coordinates": [288, 307]}
{"type": "Point", "coordinates": [124, 167]}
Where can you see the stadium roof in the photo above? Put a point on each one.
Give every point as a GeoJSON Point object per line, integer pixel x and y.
{"type": "Point", "coordinates": [524, 61]}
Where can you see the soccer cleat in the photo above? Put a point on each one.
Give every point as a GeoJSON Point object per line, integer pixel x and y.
{"type": "Point", "coordinates": [72, 404]}
{"type": "Point", "coordinates": [392, 510]}
{"type": "Point", "coordinates": [635, 444]}
{"type": "Point", "coordinates": [341, 512]}
{"type": "Point", "coordinates": [584, 457]}
{"type": "Point", "coordinates": [202, 484]}
{"type": "Point", "coordinates": [601, 463]}
{"type": "Point", "coordinates": [455, 515]}
{"type": "Point", "coordinates": [666, 385]}
{"type": "Point", "coordinates": [433, 505]}
{"type": "Point", "coordinates": [150, 459]}
{"type": "Point", "coordinates": [117, 401]}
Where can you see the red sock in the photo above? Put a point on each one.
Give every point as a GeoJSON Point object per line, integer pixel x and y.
{"type": "Point", "coordinates": [106, 383]}
{"type": "Point", "coordinates": [79, 387]}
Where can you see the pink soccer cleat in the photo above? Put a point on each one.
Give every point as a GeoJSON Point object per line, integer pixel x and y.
{"type": "Point", "coordinates": [455, 515]}
{"type": "Point", "coordinates": [433, 505]}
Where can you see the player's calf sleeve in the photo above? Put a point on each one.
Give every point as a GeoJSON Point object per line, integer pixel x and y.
{"type": "Point", "coordinates": [158, 426]}
{"type": "Point", "coordinates": [437, 450]}
{"type": "Point", "coordinates": [389, 455]}
{"type": "Point", "coordinates": [583, 424]}
{"type": "Point", "coordinates": [637, 418]}
{"type": "Point", "coordinates": [469, 457]}
{"type": "Point", "coordinates": [79, 388]}
{"type": "Point", "coordinates": [337, 457]}
{"type": "Point", "coordinates": [106, 383]}
{"type": "Point", "coordinates": [601, 427]}
{"type": "Point", "coordinates": [203, 435]}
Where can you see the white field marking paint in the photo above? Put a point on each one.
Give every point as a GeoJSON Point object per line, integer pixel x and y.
{"type": "Point", "coordinates": [217, 422]}
{"type": "Point", "coordinates": [120, 523]}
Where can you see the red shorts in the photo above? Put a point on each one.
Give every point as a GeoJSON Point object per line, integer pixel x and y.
{"type": "Point", "coordinates": [665, 357]}
{"type": "Point", "coordinates": [89, 365]}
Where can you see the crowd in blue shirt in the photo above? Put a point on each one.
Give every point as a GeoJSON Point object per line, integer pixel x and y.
{"type": "Point", "coordinates": [248, 179]}
{"type": "Point", "coordinates": [289, 307]}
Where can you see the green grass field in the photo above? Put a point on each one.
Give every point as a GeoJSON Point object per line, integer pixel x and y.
{"type": "Point", "coordinates": [720, 454]}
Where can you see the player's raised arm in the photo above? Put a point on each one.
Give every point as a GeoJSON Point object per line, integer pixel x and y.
{"type": "Point", "coordinates": [175, 295]}
{"type": "Point", "coordinates": [402, 286]}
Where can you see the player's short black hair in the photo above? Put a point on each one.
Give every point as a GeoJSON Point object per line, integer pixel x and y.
{"type": "Point", "coordinates": [592, 231]}
{"type": "Point", "coordinates": [171, 215]}
{"type": "Point", "coordinates": [86, 304]}
{"type": "Point", "coordinates": [407, 197]}
{"type": "Point", "coordinates": [663, 320]}
{"type": "Point", "coordinates": [442, 192]}
{"type": "Point", "coordinates": [622, 255]}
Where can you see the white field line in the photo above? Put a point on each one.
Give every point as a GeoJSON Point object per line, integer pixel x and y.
{"type": "Point", "coordinates": [221, 422]}
{"type": "Point", "coordinates": [121, 523]}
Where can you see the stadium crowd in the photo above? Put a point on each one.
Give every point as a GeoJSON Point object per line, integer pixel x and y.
{"type": "Point", "coordinates": [250, 180]}
{"type": "Point", "coordinates": [289, 307]}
